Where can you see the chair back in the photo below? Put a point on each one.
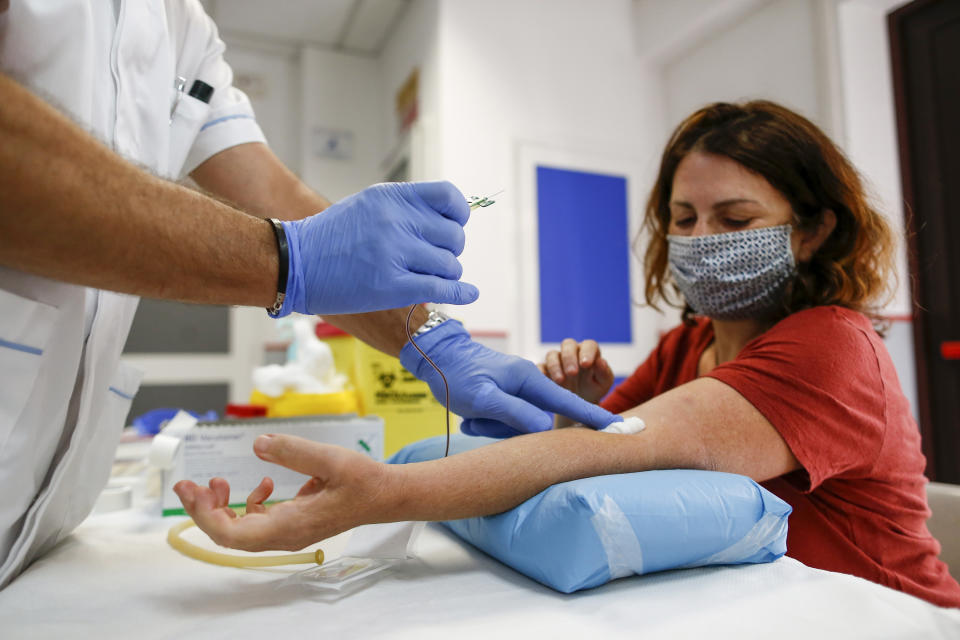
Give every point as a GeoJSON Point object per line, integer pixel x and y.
{"type": "Point", "coordinates": [944, 523]}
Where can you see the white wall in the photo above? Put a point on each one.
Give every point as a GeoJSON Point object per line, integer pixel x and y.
{"type": "Point", "coordinates": [270, 75]}
{"type": "Point", "coordinates": [869, 117]}
{"type": "Point", "coordinates": [768, 53]}
{"type": "Point", "coordinates": [870, 140]}
{"type": "Point", "coordinates": [340, 92]}
{"type": "Point", "coordinates": [414, 45]}
{"type": "Point", "coordinates": [514, 73]}
{"type": "Point", "coordinates": [664, 29]}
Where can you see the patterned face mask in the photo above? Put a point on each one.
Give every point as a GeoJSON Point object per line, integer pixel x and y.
{"type": "Point", "coordinates": [736, 275]}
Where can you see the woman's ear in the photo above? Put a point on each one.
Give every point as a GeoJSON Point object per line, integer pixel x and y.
{"type": "Point", "coordinates": [812, 240]}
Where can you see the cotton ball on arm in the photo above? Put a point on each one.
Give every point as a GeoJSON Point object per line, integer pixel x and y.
{"type": "Point", "coordinates": [633, 424]}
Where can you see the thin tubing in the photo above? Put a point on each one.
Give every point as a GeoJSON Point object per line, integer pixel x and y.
{"type": "Point", "coordinates": [191, 550]}
{"type": "Point", "coordinates": [446, 386]}
{"type": "Point", "coordinates": [474, 203]}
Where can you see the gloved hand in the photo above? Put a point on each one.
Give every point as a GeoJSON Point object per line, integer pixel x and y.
{"type": "Point", "coordinates": [389, 246]}
{"type": "Point", "coordinates": [497, 395]}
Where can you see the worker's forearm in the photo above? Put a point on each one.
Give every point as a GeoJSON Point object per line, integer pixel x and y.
{"type": "Point", "coordinates": [251, 177]}
{"type": "Point", "coordinates": [383, 330]}
{"type": "Point", "coordinates": [498, 477]}
{"type": "Point", "coordinates": [74, 211]}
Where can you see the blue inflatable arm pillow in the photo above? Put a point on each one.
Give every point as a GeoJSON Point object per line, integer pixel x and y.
{"type": "Point", "coordinates": [582, 534]}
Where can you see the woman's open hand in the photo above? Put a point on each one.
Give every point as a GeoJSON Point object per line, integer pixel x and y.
{"type": "Point", "coordinates": [580, 368]}
{"type": "Point", "coordinates": [345, 489]}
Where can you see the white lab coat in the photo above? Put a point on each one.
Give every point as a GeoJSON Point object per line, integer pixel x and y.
{"type": "Point", "coordinates": [64, 394]}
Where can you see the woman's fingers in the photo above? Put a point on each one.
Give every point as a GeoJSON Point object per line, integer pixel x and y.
{"type": "Point", "coordinates": [589, 352]}
{"type": "Point", "coordinates": [311, 486]}
{"type": "Point", "coordinates": [259, 495]}
{"type": "Point", "coordinates": [259, 529]}
{"type": "Point", "coordinates": [574, 364]}
{"type": "Point", "coordinates": [221, 491]}
{"type": "Point", "coordinates": [570, 357]}
{"type": "Point", "coordinates": [553, 367]}
{"type": "Point", "coordinates": [602, 377]}
{"type": "Point", "coordinates": [208, 507]}
{"type": "Point", "coordinates": [186, 490]}
{"type": "Point", "coordinates": [604, 371]}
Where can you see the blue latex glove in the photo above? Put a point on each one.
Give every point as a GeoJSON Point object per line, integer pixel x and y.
{"type": "Point", "coordinates": [497, 395]}
{"type": "Point", "coordinates": [150, 423]}
{"type": "Point", "coordinates": [389, 246]}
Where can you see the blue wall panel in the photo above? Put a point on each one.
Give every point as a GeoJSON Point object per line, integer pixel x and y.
{"type": "Point", "coordinates": [584, 256]}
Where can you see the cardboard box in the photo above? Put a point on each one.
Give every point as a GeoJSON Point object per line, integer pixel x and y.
{"type": "Point", "coordinates": [225, 449]}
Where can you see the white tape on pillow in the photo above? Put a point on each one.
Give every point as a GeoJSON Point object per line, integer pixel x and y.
{"type": "Point", "coordinates": [620, 543]}
{"type": "Point", "coordinates": [770, 527]}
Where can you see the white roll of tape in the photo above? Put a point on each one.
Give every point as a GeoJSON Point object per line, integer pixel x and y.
{"type": "Point", "coordinates": [163, 451]}
{"type": "Point", "coordinates": [114, 497]}
{"type": "Point", "coordinates": [166, 444]}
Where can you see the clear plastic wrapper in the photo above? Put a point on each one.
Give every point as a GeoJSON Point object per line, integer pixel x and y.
{"type": "Point", "coordinates": [372, 550]}
{"type": "Point", "coordinates": [341, 577]}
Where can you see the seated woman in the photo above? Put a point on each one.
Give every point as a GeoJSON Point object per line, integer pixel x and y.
{"type": "Point", "coordinates": [776, 373]}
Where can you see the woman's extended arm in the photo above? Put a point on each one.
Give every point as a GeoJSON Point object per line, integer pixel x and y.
{"type": "Point", "coordinates": [700, 425]}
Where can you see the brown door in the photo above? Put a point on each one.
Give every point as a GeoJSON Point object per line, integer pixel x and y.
{"type": "Point", "coordinates": [925, 52]}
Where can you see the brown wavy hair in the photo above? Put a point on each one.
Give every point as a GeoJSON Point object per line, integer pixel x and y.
{"type": "Point", "coordinates": [854, 266]}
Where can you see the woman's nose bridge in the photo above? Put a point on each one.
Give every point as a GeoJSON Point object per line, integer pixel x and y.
{"type": "Point", "coordinates": [702, 226]}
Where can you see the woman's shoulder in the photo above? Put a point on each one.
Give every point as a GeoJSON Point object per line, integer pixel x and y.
{"type": "Point", "coordinates": [839, 343]}
{"type": "Point", "coordinates": [825, 325]}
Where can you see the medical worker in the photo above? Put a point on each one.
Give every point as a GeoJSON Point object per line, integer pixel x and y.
{"type": "Point", "coordinates": [102, 102]}
{"type": "Point", "coordinates": [777, 373]}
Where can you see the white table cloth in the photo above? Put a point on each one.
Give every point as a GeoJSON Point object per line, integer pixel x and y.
{"type": "Point", "coordinates": [116, 577]}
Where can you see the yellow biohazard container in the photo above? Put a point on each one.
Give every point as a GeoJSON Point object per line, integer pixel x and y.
{"type": "Point", "coordinates": [342, 346]}
{"type": "Point", "coordinates": [292, 403]}
{"type": "Point", "coordinates": [386, 389]}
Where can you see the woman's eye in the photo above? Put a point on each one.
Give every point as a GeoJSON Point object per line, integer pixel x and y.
{"type": "Point", "coordinates": [684, 222]}
{"type": "Point", "coordinates": [736, 223]}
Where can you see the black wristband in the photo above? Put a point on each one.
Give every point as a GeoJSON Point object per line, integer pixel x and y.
{"type": "Point", "coordinates": [283, 255]}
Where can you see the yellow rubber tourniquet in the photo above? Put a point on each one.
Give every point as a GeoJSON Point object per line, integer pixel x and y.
{"type": "Point", "coordinates": [228, 560]}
